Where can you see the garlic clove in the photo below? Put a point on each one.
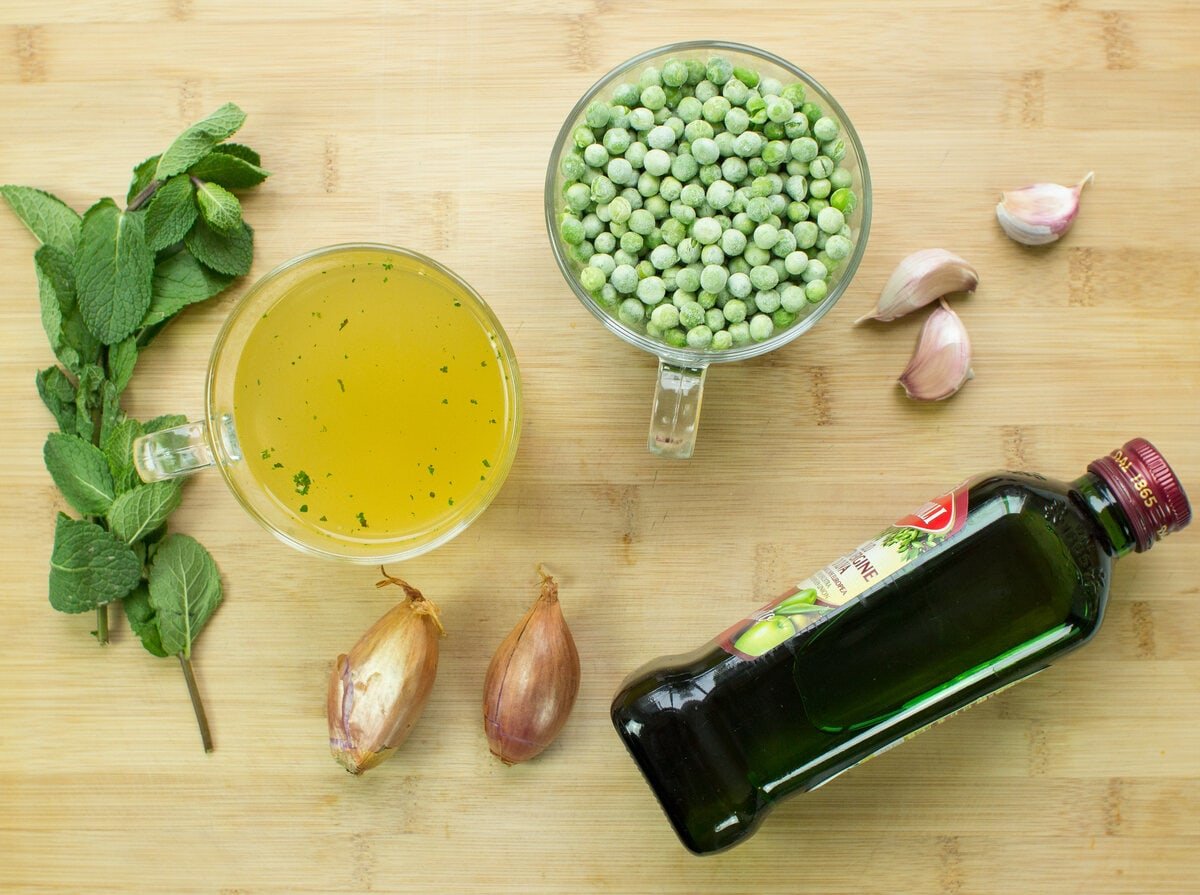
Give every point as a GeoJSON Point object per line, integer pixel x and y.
{"type": "Point", "coordinates": [1040, 213]}
{"type": "Point", "coordinates": [941, 362]}
{"type": "Point", "coordinates": [920, 278]}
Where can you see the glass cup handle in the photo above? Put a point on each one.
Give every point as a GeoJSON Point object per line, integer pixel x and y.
{"type": "Point", "coordinates": [174, 452]}
{"type": "Point", "coordinates": [676, 413]}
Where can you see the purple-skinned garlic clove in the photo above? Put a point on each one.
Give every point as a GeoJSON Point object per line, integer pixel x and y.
{"type": "Point", "coordinates": [1040, 213]}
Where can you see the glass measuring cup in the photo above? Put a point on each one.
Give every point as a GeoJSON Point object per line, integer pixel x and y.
{"type": "Point", "coordinates": [381, 392]}
{"type": "Point", "coordinates": [682, 371]}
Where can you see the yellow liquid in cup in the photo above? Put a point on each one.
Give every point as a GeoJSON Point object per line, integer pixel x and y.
{"type": "Point", "coordinates": [370, 401]}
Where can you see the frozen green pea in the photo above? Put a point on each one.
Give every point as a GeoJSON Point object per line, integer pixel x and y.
{"type": "Point", "coordinates": [699, 336]}
{"type": "Point", "coordinates": [625, 94]}
{"type": "Point", "coordinates": [830, 263]}
{"type": "Point", "coordinates": [632, 242]}
{"type": "Point", "coordinates": [706, 90]}
{"type": "Point", "coordinates": [747, 76]}
{"type": "Point", "coordinates": [636, 154]}
{"type": "Point", "coordinates": [719, 194]}
{"type": "Point", "coordinates": [571, 166]}
{"type": "Point", "coordinates": [779, 109]}
{"type": "Point", "coordinates": [825, 129]}
{"type": "Point", "coordinates": [758, 209]}
{"type": "Point", "coordinates": [755, 256]}
{"type": "Point", "coordinates": [812, 111]}
{"type": "Point", "coordinates": [685, 214]}
{"type": "Point", "coordinates": [795, 263]}
{"type": "Point", "coordinates": [733, 169]}
{"type": "Point", "coordinates": [674, 73]}
{"type": "Point", "coordinates": [761, 186]}
{"type": "Point", "coordinates": [607, 295]}
{"type": "Point", "coordinates": [830, 220]}
{"type": "Point", "coordinates": [657, 163]}
{"type": "Point", "coordinates": [698, 130]}
{"type": "Point", "coordinates": [624, 279]}
{"type": "Point", "coordinates": [641, 221]}
{"type": "Point", "coordinates": [595, 155]}
{"type": "Point", "coordinates": [820, 167]}
{"type": "Point", "coordinates": [844, 200]}
{"type": "Point", "coordinates": [765, 236]}
{"type": "Point", "coordinates": [816, 291]}
{"type": "Point", "coordinates": [653, 98]}
{"type": "Point", "coordinates": [815, 270]}
{"type": "Point", "coordinates": [657, 206]}
{"type": "Point", "coordinates": [785, 244]}
{"type": "Point", "coordinates": [688, 279]}
{"type": "Point", "coordinates": [706, 231]}
{"type": "Point", "coordinates": [591, 278]}
{"type": "Point", "coordinates": [673, 232]}
{"type": "Point", "coordinates": [736, 92]}
{"type": "Point", "coordinates": [653, 331]}
{"type": "Point", "coordinates": [797, 211]}
{"type": "Point", "coordinates": [665, 316]}
{"type": "Point", "coordinates": [681, 298]}
{"type": "Point", "coordinates": [712, 255]}
{"type": "Point", "coordinates": [738, 265]}
{"type": "Point", "coordinates": [578, 197]}
{"type": "Point", "coordinates": [819, 189]}
{"type": "Point", "coordinates": [603, 190]}
{"type": "Point", "coordinates": [796, 186]}
{"type": "Point", "coordinates": [838, 247]}
{"type": "Point", "coordinates": [739, 285]}
{"type": "Point", "coordinates": [623, 257]}
{"type": "Point", "coordinates": [737, 121]}
{"type": "Point", "coordinates": [650, 77]}
{"type": "Point", "coordinates": [743, 223]}
{"type": "Point", "coordinates": [688, 250]}
{"type": "Point", "coordinates": [713, 278]}
{"type": "Point", "coordinates": [660, 137]}
{"type": "Point", "coordinates": [766, 300]}
{"type": "Point", "coordinates": [692, 195]}
{"type": "Point", "coordinates": [654, 239]}
{"type": "Point", "coordinates": [688, 110]}
{"type": "Point", "coordinates": [719, 70]}
{"type": "Point", "coordinates": [776, 264]}
{"type": "Point", "coordinates": [632, 196]}
{"type": "Point", "coordinates": [582, 252]}
{"type": "Point", "coordinates": [794, 167]}
{"type": "Point", "coordinates": [714, 319]}
{"type": "Point", "coordinates": [770, 87]}
{"type": "Point", "coordinates": [631, 312]}
{"type": "Point", "coordinates": [706, 300]}
{"type": "Point", "coordinates": [794, 93]}
{"type": "Point", "coordinates": [746, 145]}
{"type": "Point", "coordinates": [764, 277]}
{"type": "Point", "coordinates": [756, 106]}
{"type": "Point", "coordinates": [834, 150]}
{"type": "Point", "coordinates": [756, 167]}
{"type": "Point", "coordinates": [605, 242]}
{"type": "Point", "coordinates": [684, 167]}
{"type": "Point", "coordinates": [618, 116]}
{"type": "Point", "coordinates": [695, 72]}
{"type": "Point", "coordinates": [670, 188]}
{"type": "Point", "coordinates": [721, 340]}
{"type": "Point", "coordinates": [761, 327]}
{"type": "Point", "coordinates": [733, 241]}
{"type": "Point", "coordinates": [792, 298]}
{"type": "Point", "coordinates": [618, 229]}
{"type": "Point", "coordinates": [651, 290]}
{"type": "Point", "coordinates": [782, 318]}
{"type": "Point", "coordinates": [775, 153]}
{"type": "Point", "coordinates": [735, 309]}
{"type": "Point", "coordinates": [582, 136]}
{"type": "Point", "coordinates": [676, 338]}
{"type": "Point", "coordinates": [841, 179]}
{"type": "Point", "coordinates": [597, 114]}
{"type": "Point", "coordinates": [620, 171]}
{"type": "Point", "coordinates": [592, 226]}
{"type": "Point", "coordinates": [778, 204]}
{"type": "Point", "coordinates": [709, 174]}
{"type": "Point", "coordinates": [739, 333]}
{"type": "Point", "coordinates": [691, 314]}
{"type": "Point", "coordinates": [663, 257]}
{"type": "Point", "coordinates": [805, 149]}
{"type": "Point", "coordinates": [816, 206]}
{"type": "Point", "coordinates": [822, 238]}
{"type": "Point", "coordinates": [773, 130]}
{"type": "Point", "coordinates": [571, 230]}
{"type": "Point", "coordinates": [795, 127]}
{"type": "Point", "coordinates": [704, 150]}
{"type": "Point", "coordinates": [641, 119]}
{"type": "Point", "coordinates": [603, 263]}
{"type": "Point", "coordinates": [715, 109]}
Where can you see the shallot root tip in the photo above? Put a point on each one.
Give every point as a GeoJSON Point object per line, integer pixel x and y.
{"type": "Point", "coordinates": [549, 585]}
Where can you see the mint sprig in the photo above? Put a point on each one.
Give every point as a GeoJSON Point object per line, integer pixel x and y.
{"type": "Point", "coordinates": [108, 282]}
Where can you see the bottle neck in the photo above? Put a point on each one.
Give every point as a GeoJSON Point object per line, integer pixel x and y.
{"type": "Point", "coordinates": [1102, 505]}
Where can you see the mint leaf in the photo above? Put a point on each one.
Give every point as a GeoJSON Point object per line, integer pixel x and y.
{"type": "Point", "coordinates": [171, 213]}
{"type": "Point", "coordinates": [80, 470]}
{"type": "Point", "coordinates": [87, 400]}
{"type": "Point", "coordinates": [58, 394]}
{"type": "Point", "coordinates": [121, 358]}
{"type": "Point", "coordinates": [112, 271]}
{"type": "Point", "coordinates": [89, 566]}
{"type": "Point", "coordinates": [143, 174]}
{"type": "Point", "coordinates": [142, 620]}
{"type": "Point", "coordinates": [136, 513]}
{"type": "Point", "coordinates": [230, 255]}
{"type": "Point", "coordinates": [179, 281]}
{"type": "Point", "coordinates": [220, 208]}
{"type": "Point", "coordinates": [185, 590]}
{"type": "Point", "coordinates": [48, 218]}
{"type": "Point", "coordinates": [239, 150]}
{"type": "Point", "coordinates": [167, 421]}
{"type": "Point", "coordinates": [117, 446]}
{"type": "Point", "coordinates": [199, 139]}
{"type": "Point", "coordinates": [229, 170]}
{"type": "Point", "coordinates": [110, 409]}
{"type": "Point", "coordinates": [69, 337]}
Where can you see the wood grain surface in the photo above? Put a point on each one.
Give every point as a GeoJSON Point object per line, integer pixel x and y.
{"type": "Point", "coordinates": [428, 124]}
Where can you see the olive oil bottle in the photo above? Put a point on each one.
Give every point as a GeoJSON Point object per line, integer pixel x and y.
{"type": "Point", "coordinates": [978, 589]}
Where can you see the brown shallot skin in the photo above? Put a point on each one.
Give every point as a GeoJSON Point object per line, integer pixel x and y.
{"type": "Point", "coordinates": [532, 681]}
{"type": "Point", "coordinates": [378, 690]}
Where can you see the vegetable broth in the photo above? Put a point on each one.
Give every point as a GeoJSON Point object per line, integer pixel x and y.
{"type": "Point", "coordinates": [370, 401]}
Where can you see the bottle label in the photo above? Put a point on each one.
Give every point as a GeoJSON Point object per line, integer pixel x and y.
{"type": "Point", "coordinates": [848, 576]}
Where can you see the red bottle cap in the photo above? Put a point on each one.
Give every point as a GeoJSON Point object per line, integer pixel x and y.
{"type": "Point", "coordinates": [1147, 489]}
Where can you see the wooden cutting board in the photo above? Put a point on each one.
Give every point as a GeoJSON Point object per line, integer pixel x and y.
{"type": "Point", "coordinates": [428, 124]}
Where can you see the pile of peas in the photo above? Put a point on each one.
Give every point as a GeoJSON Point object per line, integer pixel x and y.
{"type": "Point", "coordinates": [706, 203]}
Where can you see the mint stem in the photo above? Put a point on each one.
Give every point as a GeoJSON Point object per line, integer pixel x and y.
{"type": "Point", "coordinates": [144, 196]}
{"type": "Point", "coordinates": [197, 706]}
{"type": "Point", "coordinates": [102, 624]}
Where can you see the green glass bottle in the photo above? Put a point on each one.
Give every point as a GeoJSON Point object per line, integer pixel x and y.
{"type": "Point", "coordinates": [978, 589]}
